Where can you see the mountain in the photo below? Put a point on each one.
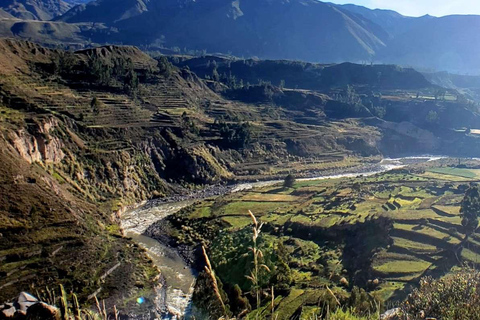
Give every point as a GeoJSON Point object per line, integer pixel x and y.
{"type": "Point", "coordinates": [307, 75]}
{"type": "Point", "coordinates": [35, 9]}
{"type": "Point", "coordinates": [306, 30]}
{"type": "Point", "coordinates": [391, 21]}
{"type": "Point", "coordinates": [77, 2]}
{"type": "Point", "coordinates": [5, 15]}
{"type": "Point", "coordinates": [449, 43]}
{"type": "Point", "coordinates": [299, 29]}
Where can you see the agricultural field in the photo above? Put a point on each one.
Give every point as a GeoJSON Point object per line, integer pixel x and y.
{"type": "Point", "coordinates": [381, 233]}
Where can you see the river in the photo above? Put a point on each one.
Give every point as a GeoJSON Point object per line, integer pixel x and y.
{"type": "Point", "coordinates": [175, 292]}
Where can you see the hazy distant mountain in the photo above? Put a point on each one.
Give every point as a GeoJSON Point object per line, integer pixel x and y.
{"type": "Point", "coordinates": [35, 9]}
{"type": "Point", "coordinates": [108, 11]}
{"type": "Point", "coordinates": [295, 29]}
{"type": "Point", "coordinates": [391, 21]}
{"type": "Point", "coordinates": [448, 43]}
{"type": "Point", "coordinates": [76, 2]}
{"type": "Point", "coordinates": [4, 14]}
{"type": "Point", "coordinates": [306, 30]}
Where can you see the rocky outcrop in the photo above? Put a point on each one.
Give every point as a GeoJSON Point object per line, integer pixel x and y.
{"type": "Point", "coordinates": [26, 306]}
{"type": "Point", "coordinates": [37, 144]}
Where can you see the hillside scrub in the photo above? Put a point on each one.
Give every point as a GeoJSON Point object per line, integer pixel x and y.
{"type": "Point", "coordinates": [455, 296]}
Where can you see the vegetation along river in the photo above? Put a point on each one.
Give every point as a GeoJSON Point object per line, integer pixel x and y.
{"type": "Point", "coordinates": [178, 278]}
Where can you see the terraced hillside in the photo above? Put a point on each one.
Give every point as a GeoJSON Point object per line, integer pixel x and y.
{"type": "Point", "coordinates": [92, 132]}
{"type": "Point", "coordinates": [381, 233]}
{"type": "Point", "coordinates": [88, 133]}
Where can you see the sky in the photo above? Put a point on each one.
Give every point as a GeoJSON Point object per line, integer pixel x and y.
{"type": "Point", "coordinates": [416, 8]}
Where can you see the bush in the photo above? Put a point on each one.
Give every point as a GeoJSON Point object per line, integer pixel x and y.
{"type": "Point", "coordinates": [454, 296]}
{"type": "Point", "coordinates": [235, 135]}
{"type": "Point", "coordinates": [347, 315]}
{"type": "Point", "coordinates": [289, 181]}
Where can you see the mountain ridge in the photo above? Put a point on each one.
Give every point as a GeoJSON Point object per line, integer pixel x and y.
{"type": "Point", "coordinates": [35, 9]}
{"type": "Point", "coordinates": [309, 30]}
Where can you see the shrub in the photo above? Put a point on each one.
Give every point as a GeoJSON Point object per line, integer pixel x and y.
{"type": "Point", "coordinates": [454, 296]}
{"type": "Point", "coordinates": [289, 181]}
{"type": "Point", "coordinates": [470, 209]}
{"type": "Point", "coordinates": [347, 315]}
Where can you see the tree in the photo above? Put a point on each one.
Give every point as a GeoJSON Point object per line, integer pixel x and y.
{"type": "Point", "coordinates": [289, 181]}
{"type": "Point", "coordinates": [282, 277]}
{"type": "Point", "coordinates": [64, 63]}
{"type": "Point", "coordinates": [470, 209]}
{"type": "Point", "coordinates": [130, 82]}
{"type": "Point", "coordinates": [215, 75]}
{"type": "Point", "coordinates": [432, 116]}
{"type": "Point", "coordinates": [239, 303]}
{"type": "Point", "coordinates": [235, 135]}
{"type": "Point", "coordinates": [99, 70]}
{"type": "Point", "coordinates": [166, 68]}
{"type": "Point", "coordinates": [205, 298]}
{"type": "Point", "coordinates": [95, 104]}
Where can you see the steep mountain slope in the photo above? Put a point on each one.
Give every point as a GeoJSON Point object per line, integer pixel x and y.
{"type": "Point", "coordinates": [5, 15]}
{"type": "Point", "coordinates": [53, 230]}
{"type": "Point", "coordinates": [35, 9]}
{"type": "Point", "coordinates": [391, 21]}
{"type": "Point", "coordinates": [53, 33]}
{"type": "Point", "coordinates": [77, 2]}
{"type": "Point", "coordinates": [305, 30]}
{"type": "Point", "coordinates": [447, 43]}
{"type": "Point", "coordinates": [105, 11]}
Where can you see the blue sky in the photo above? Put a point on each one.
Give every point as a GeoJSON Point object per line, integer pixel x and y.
{"type": "Point", "coordinates": [421, 7]}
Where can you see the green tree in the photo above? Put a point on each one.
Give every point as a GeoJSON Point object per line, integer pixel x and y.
{"type": "Point", "coordinates": [130, 82]}
{"type": "Point", "coordinates": [470, 209]}
{"type": "Point", "coordinates": [432, 117]}
{"type": "Point", "coordinates": [95, 105]}
{"type": "Point", "coordinates": [215, 75]}
{"type": "Point", "coordinates": [166, 68]}
{"type": "Point", "coordinates": [64, 63]}
{"type": "Point", "coordinates": [361, 302]}
{"type": "Point", "coordinates": [289, 181]}
{"type": "Point", "coordinates": [99, 71]}
{"type": "Point", "coordinates": [282, 277]}
{"type": "Point", "coordinates": [205, 299]}
{"type": "Point", "coordinates": [239, 303]}
{"type": "Point", "coordinates": [236, 135]}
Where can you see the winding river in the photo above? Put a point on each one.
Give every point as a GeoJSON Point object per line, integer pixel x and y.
{"type": "Point", "coordinates": [174, 293]}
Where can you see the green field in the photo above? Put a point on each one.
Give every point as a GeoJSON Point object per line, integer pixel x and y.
{"type": "Point", "coordinates": [458, 172]}
{"type": "Point", "coordinates": [392, 228]}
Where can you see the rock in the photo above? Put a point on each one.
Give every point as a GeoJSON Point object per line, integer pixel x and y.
{"type": "Point", "coordinates": [25, 300]}
{"type": "Point", "coordinates": [26, 297]}
{"type": "Point", "coordinates": [392, 314]}
{"type": "Point", "coordinates": [9, 313]}
{"type": "Point", "coordinates": [43, 311]}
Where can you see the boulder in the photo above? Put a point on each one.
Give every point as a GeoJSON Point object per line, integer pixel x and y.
{"type": "Point", "coordinates": [25, 300]}
{"type": "Point", "coordinates": [43, 311]}
{"type": "Point", "coordinates": [392, 314]}
{"type": "Point", "coordinates": [8, 313]}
